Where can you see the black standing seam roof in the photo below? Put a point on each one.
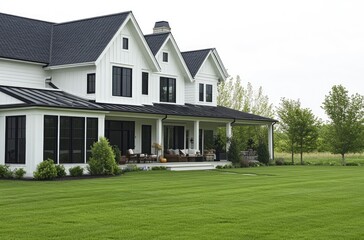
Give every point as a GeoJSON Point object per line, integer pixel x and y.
{"type": "Point", "coordinates": [60, 99]}
{"type": "Point", "coordinates": [155, 41]}
{"type": "Point", "coordinates": [195, 59]}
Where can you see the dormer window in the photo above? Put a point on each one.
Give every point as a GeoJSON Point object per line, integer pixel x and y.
{"type": "Point", "coordinates": [208, 93]}
{"type": "Point", "coordinates": [125, 43]}
{"type": "Point", "coordinates": [91, 83]}
{"type": "Point", "coordinates": [165, 57]}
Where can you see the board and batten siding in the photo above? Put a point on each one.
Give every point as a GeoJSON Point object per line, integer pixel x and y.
{"type": "Point", "coordinates": [22, 74]}
{"type": "Point", "coordinates": [74, 80]}
{"type": "Point", "coordinates": [134, 58]}
{"type": "Point", "coordinates": [172, 69]}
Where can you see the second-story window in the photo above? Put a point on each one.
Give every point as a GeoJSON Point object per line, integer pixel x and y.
{"type": "Point", "coordinates": [208, 93]}
{"type": "Point", "coordinates": [91, 82]}
{"type": "Point", "coordinates": [121, 81]}
{"type": "Point", "coordinates": [145, 79]}
{"type": "Point", "coordinates": [165, 57]}
{"type": "Point", "coordinates": [167, 89]}
{"type": "Point", "coordinates": [125, 43]}
{"type": "Point", "coordinates": [201, 92]}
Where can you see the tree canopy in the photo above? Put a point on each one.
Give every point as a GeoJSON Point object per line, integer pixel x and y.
{"type": "Point", "coordinates": [346, 126]}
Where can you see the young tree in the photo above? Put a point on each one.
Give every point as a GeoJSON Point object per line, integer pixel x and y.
{"type": "Point", "coordinates": [346, 128]}
{"type": "Point", "coordinates": [287, 114]}
{"type": "Point", "coordinates": [300, 125]}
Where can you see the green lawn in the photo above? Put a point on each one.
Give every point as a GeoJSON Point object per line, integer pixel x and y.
{"type": "Point", "coordinates": [288, 202]}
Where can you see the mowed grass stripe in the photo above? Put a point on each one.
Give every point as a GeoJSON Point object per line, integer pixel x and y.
{"type": "Point", "coordinates": [278, 203]}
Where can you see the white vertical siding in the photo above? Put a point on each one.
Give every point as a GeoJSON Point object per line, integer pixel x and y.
{"type": "Point", "coordinates": [191, 92]}
{"type": "Point", "coordinates": [74, 80]}
{"type": "Point", "coordinates": [134, 58]}
{"type": "Point", "coordinates": [22, 74]}
{"type": "Point", "coordinates": [207, 75]}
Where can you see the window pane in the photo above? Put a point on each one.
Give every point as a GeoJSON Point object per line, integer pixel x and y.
{"type": "Point", "coordinates": [125, 43]}
{"type": "Point", "coordinates": [208, 93]}
{"type": "Point", "coordinates": [145, 78]}
{"type": "Point", "coordinates": [91, 83]}
{"type": "Point", "coordinates": [201, 90]}
{"type": "Point", "coordinates": [165, 57]}
{"type": "Point", "coordinates": [15, 139]}
{"type": "Point", "coordinates": [172, 90]}
{"type": "Point", "coordinates": [116, 81]}
{"type": "Point", "coordinates": [163, 89]}
{"type": "Point", "coordinates": [50, 138]}
{"type": "Point", "coordinates": [72, 140]}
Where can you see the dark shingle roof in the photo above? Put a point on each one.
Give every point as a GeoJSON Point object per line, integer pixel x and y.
{"type": "Point", "coordinates": [56, 98]}
{"type": "Point", "coordinates": [83, 40]}
{"type": "Point", "coordinates": [57, 44]}
{"type": "Point", "coordinates": [24, 39]}
{"type": "Point", "coordinates": [155, 41]}
{"type": "Point", "coordinates": [194, 59]}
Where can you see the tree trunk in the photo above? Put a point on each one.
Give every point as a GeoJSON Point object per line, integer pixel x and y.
{"type": "Point", "coordinates": [292, 154]}
{"type": "Point", "coordinates": [343, 159]}
{"type": "Point", "coordinates": [301, 152]}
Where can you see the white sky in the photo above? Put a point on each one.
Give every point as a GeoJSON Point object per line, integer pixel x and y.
{"type": "Point", "coordinates": [293, 49]}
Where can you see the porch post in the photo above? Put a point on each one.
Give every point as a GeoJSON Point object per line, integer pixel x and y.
{"type": "Point", "coordinates": [270, 141]}
{"type": "Point", "coordinates": [158, 131]}
{"type": "Point", "coordinates": [196, 131]}
{"type": "Point", "coordinates": [228, 135]}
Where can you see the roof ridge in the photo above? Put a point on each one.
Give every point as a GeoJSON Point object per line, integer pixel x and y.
{"type": "Point", "coordinates": [198, 50]}
{"type": "Point", "coordinates": [156, 34]}
{"type": "Point", "coordinates": [27, 18]}
{"type": "Point", "coordinates": [91, 18]}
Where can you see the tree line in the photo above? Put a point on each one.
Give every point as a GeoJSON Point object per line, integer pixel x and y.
{"type": "Point", "coordinates": [298, 130]}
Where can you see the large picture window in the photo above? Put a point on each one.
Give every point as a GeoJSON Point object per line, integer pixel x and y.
{"type": "Point", "coordinates": [167, 89]}
{"type": "Point", "coordinates": [15, 140]}
{"type": "Point", "coordinates": [50, 140]}
{"type": "Point", "coordinates": [121, 81]}
{"type": "Point", "coordinates": [72, 140]}
{"type": "Point", "coordinates": [208, 93]}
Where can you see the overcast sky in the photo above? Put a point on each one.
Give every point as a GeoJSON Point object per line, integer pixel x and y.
{"type": "Point", "coordinates": [293, 49]}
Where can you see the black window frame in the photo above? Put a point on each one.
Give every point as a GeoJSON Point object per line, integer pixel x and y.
{"type": "Point", "coordinates": [168, 84]}
{"type": "Point", "coordinates": [122, 81]}
{"type": "Point", "coordinates": [145, 83]}
{"type": "Point", "coordinates": [165, 57]}
{"type": "Point", "coordinates": [209, 92]}
{"type": "Point", "coordinates": [70, 137]}
{"type": "Point", "coordinates": [50, 138]}
{"type": "Point", "coordinates": [201, 92]}
{"type": "Point", "coordinates": [15, 134]}
{"type": "Point", "coordinates": [125, 43]}
{"type": "Point", "coordinates": [91, 82]}
{"type": "Point", "coordinates": [92, 134]}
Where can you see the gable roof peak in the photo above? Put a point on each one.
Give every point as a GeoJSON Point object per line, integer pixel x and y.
{"type": "Point", "coordinates": [93, 18]}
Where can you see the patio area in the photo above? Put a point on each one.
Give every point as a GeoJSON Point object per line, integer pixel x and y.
{"type": "Point", "coordinates": [181, 166]}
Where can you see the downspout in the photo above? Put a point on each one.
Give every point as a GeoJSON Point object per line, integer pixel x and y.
{"type": "Point", "coordinates": [233, 122]}
{"type": "Point", "coordinates": [164, 118]}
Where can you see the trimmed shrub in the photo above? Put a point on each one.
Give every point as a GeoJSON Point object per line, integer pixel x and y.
{"type": "Point", "coordinates": [46, 170]}
{"type": "Point", "coordinates": [19, 173]}
{"type": "Point", "coordinates": [280, 161]}
{"type": "Point", "coordinates": [131, 168]}
{"type": "Point", "coordinates": [5, 172]}
{"type": "Point", "coordinates": [159, 168]}
{"type": "Point", "coordinates": [102, 161]}
{"type": "Point", "coordinates": [117, 153]}
{"type": "Point", "coordinates": [263, 153]}
{"type": "Point", "coordinates": [76, 171]}
{"type": "Point", "coordinates": [352, 164]}
{"type": "Point", "coordinates": [61, 171]}
{"type": "Point", "coordinates": [234, 151]}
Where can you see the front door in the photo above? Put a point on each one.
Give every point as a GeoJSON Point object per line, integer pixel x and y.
{"type": "Point", "coordinates": [146, 139]}
{"type": "Point", "coordinates": [121, 134]}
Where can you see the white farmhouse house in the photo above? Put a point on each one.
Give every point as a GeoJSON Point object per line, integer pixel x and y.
{"type": "Point", "coordinates": [63, 85]}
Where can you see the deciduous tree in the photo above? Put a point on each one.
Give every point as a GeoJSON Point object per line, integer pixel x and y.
{"type": "Point", "coordinates": [346, 126]}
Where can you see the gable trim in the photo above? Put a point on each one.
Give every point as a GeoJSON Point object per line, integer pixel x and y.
{"type": "Point", "coordinates": [131, 18]}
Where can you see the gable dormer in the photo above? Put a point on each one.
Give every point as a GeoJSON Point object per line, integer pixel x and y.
{"type": "Point", "coordinates": [207, 70]}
